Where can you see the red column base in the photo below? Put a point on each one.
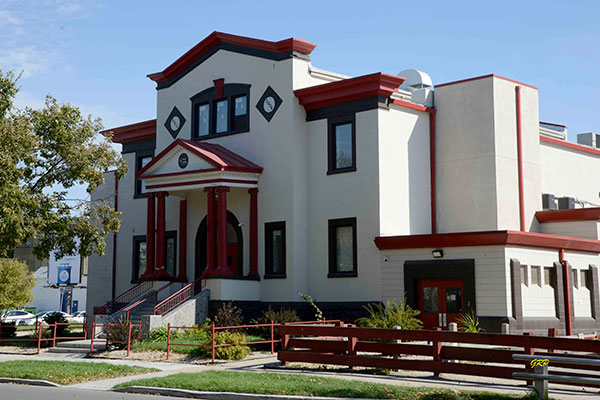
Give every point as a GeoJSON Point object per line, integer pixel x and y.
{"type": "Point", "coordinates": [161, 273]}
{"type": "Point", "coordinates": [222, 271]}
{"type": "Point", "coordinates": [147, 276]}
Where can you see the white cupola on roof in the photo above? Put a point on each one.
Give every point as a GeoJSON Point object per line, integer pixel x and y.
{"type": "Point", "coordinates": [419, 84]}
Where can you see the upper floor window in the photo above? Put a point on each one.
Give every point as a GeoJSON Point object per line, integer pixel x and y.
{"type": "Point", "coordinates": [212, 116]}
{"type": "Point", "coordinates": [141, 160]}
{"type": "Point", "coordinates": [341, 144]}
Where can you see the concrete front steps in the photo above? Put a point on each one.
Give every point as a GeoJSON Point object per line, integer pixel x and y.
{"type": "Point", "coordinates": [77, 346]}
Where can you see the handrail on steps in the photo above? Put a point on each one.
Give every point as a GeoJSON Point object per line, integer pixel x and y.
{"type": "Point", "coordinates": [145, 298]}
{"type": "Point", "coordinates": [124, 298]}
{"type": "Point", "coordinates": [179, 297]}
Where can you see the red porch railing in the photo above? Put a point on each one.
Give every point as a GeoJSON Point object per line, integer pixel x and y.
{"type": "Point", "coordinates": [362, 347]}
{"type": "Point", "coordinates": [181, 296]}
{"type": "Point", "coordinates": [154, 294]}
{"type": "Point", "coordinates": [125, 298]}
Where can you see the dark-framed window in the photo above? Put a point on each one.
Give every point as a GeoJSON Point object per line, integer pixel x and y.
{"type": "Point", "coordinates": [142, 158]}
{"type": "Point", "coordinates": [139, 255]}
{"type": "Point", "coordinates": [226, 115]}
{"type": "Point", "coordinates": [275, 250]}
{"type": "Point", "coordinates": [342, 248]}
{"type": "Point", "coordinates": [341, 144]}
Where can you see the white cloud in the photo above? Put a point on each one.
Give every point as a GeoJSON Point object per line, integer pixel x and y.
{"type": "Point", "coordinates": [28, 59]}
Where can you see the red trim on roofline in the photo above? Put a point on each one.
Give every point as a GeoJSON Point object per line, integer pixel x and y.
{"type": "Point", "coordinates": [378, 84]}
{"type": "Point", "coordinates": [138, 132]}
{"type": "Point", "coordinates": [291, 44]}
{"type": "Point", "coordinates": [483, 77]}
{"type": "Point", "coordinates": [570, 145]}
{"type": "Point", "coordinates": [217, 155]}
{"type": "Point", "coordinates": [200, 182]}
{"type": "Point", "coordinates": [577, 214]}
{"type": "Point", "coordinates": [488, 238]}
{"type": "Point", "coordinates": [413, 106]}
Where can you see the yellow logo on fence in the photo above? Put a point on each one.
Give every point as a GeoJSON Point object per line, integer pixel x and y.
{"type": "Point", "coordinates": [539, 361]}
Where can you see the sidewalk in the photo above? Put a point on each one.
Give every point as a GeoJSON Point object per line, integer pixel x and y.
{"type": "Point", "coordinates": [269, 363]}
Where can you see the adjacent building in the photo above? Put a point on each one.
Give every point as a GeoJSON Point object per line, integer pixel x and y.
{"type": "Point", "coordinates": [263, 176]}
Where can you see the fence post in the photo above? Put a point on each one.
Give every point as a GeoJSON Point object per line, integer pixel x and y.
{"type": "Point", "coordinates": [552, 332]}
{"type": "Point", "coordinates": [213, 342]}
{"type": "Point", "coordinates": [541, 385]}
{"type": "Point", "coordinates": [436, 346]}
{"type": "Point", "coordinates": [92, 336]}
{"type": "Point", "coordinates": [85, 328]}
{"type": "Point", "coordinates": [168, 339]}
{"type": "Point", "coordinates": [529, 351]}
{"type": "Point", "coordinates": [54, 337]}
{"type": "Point", "coordinates": [272, 338]}
{"type": "Point", "coordinates": [39, 325]}
{"type": "Point", "coordinates": [285, 338]}
{"type": "Point", "coordinates": [128, 338]}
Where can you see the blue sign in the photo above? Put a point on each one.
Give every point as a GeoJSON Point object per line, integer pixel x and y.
{"type": "Point", "coordinates": [64, 274]}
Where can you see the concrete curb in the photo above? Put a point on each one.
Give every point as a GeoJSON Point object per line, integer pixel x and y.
{"type": "Point", "coordinates": [32, 382]}
{"type": "Point", "coordinates": [194, 394]}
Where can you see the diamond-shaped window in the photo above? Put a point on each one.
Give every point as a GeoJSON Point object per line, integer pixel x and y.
{"type": "Point", "coordinates": [174, 122]}
{"type": "Point", "coordinates": [269, 103]}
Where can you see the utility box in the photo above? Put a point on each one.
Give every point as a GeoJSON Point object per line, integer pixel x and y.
{"type": "Point", "coordinates": [566, 203]}
{"type": "Point", "coordinates": [549, 201]}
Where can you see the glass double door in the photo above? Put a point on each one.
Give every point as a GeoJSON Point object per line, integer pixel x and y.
{"type": "Point", "coordinates": [440, 301]}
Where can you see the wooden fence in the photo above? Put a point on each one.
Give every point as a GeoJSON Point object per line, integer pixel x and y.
{"type": "Point", "coordinates": [439, 351]}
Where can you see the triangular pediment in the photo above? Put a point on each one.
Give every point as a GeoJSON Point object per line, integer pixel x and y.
{"type": "Point", "coordinates": [169, 163]}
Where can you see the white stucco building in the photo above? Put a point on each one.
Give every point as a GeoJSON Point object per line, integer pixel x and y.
{"type": "Point", "coordinates": [354, 190]}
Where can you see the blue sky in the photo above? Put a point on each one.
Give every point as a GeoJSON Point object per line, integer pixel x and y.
{"type": "Point", "coordinates": [96, 54]}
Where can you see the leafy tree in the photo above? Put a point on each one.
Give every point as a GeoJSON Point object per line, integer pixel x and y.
{"type": "Point", "coordinates": [15, 283]}
{"type": "Point", "coordinates": [43, 153]}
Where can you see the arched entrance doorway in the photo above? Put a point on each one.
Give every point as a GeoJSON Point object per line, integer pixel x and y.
{"type": "Point", "coordinates": [235, 246]}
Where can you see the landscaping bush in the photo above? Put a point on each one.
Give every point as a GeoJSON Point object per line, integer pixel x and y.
{"type": "Point", "coordinates": [56, 318]}
{"type": "Point", "coordinates": [226, 353]}
{"type": "Point", "coordinates": [120, 332]}
{"type": "Point", "coordinates": [393, 314]}
{"type": "Point", "coordinates": [229, 315]}
{"type": "Point", "coordinates": [198, 335]}
{"type": "Point", "coordinates": [160, 334]}
{"type": "Point", "coordinates": [469, 323]}
{"type": "Point", "coordinates": [280, 316]}
{"type": "Point", "coordinates": [47, 333]}
{"type": "Point", "coordinates": [9, 329]}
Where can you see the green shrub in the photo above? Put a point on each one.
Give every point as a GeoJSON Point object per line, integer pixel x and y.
{"type": "Point", "coordinates": [280, 316]}
{"type": "Point", "coordinates": [469, 323]}
{"type": "Point", "coordinates": [56, 318]}
{"type": "Point", "coordinates": [119, 332]}
{"type": "Point", "coordinates": [196, 334]}
{"type": "Point", "coordinates": [229, 315]}
{"type": "Point", "coordinates": [238, 352]}
{"type": "Point", "coordinates": [8, 330]}
{"type": "Point", "coordinates": [160, 334]}
{"type": "Point", "coordinates": [393, 314]}
{"type": "Point", "coordinates": [318, 313]}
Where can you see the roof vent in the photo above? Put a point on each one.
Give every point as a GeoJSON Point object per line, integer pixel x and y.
{"type": "Point", "coordinates": [415, 79]}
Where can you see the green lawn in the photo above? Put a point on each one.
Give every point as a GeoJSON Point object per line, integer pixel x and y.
{"type": "Point", "coordinates": [304, 385]}
{"type": "Point", "coordinates": [147, 345]}
{"type": "Point", "coordinates": [66, 372]}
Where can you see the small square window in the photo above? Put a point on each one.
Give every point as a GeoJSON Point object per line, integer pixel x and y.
{"type": "Point", "coordinates": [203, 119]}
{"type": "Point", "coordinates": [584, 279]}
{"type": "Point", "coordinates": [139, 258]}
{"type": "Point", "coordinates": [342, 247]}
{"type": "Point", "coordinates": [341, 145]}
{"type": "Point", "coordinates": [221, 116]}
{"type": "Point", "coordinates": [141, 161]}
{"type": "Point", "coordinates": [535, 275]}
{"type": "Point", "coordinates": [548, 276]}
{"type": "Point", "coordinates": [524, 277]}
{"type": "Point", "coordinates": [240, 106]}
{"type": "Point", "coordinates": [170, 252]}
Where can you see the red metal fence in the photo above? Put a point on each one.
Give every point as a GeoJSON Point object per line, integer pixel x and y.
{"type": "Point", "coordinates": [381, 348]}
{"type": "Point", "coordinates": [213, 329]}
{"type": "Point", "coordinates": [36, 336]}
{"type": "Point", "coordinates": [107, 340]}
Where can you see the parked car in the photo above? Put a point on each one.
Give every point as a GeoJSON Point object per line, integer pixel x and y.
{"type": "Point", "coordinates": [18, 316]}
{"type": "Point", "coordinates": [34, 318]}
{"type": "Point", "coordinates": [78, 317]}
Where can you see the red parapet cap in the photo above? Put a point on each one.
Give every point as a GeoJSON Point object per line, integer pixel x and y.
{"type": "Point", "coordinates": [576, 214]}
{"type": "Point", "coordinates": [291, 44]}
{"type": "Point", "coordinates": [138, 132]}
{"type": "Point", "coordinates": [378, 84]}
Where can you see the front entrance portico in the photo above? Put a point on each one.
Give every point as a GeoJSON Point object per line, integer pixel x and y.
{"type": "Point", "coordinates": [185, 168]}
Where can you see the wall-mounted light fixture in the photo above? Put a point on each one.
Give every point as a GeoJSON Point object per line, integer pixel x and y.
{"type": "Point", "coordinates": [437, 253]}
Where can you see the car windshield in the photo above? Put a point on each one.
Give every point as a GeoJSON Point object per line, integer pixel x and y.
{"type": "Point", "coordinates": [40, 314]}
